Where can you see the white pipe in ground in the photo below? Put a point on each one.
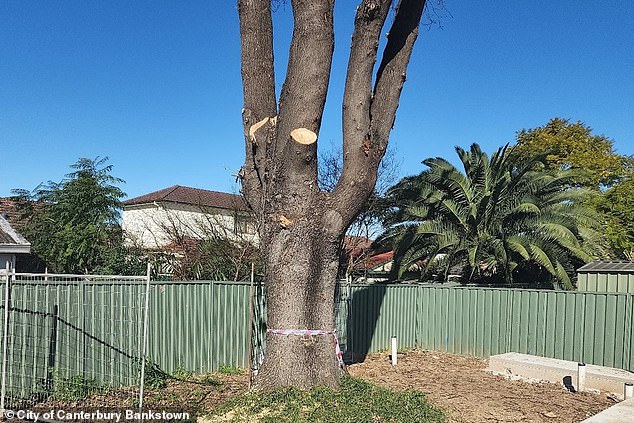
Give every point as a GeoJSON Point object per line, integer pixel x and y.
{"type": "Point", "coordinates": [394, 350]}
{"type": "Point", "coordinates": [581, 377]}
{"type": "Point", "coordinates": [628, 390]}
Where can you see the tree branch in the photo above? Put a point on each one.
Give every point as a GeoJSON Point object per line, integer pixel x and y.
{"type": "Point", "coordinates": [258, 82]}
{"type": "Point", "coordinates": [391, 74]}
{"type": "Point", "coordinates": [369, 120]}
{"type": "Point", "coordinates": [304, 93]}
{"type": "Point", "coordinates": [368, 23]}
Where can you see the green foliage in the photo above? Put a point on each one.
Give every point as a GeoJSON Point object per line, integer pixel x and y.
{"type": "Point", "coordinates": [73, 225]}
{"type": "Point", "coordinates": [617, 205]}
{"type": "Point", "coordinates": [573, 146]}
{"type": "Point", "coordinates": [355, 401]}
{"type": "Point", "coordinates": [180, 372]}
{"type": "Point", "coordinates": [230, 370]}
{"type": "Point", "coordinates": [74, 388]}
{"type": "Point", "coordinates": [154, 377]}
{"type": "Point", "coordinates": [496, 220]}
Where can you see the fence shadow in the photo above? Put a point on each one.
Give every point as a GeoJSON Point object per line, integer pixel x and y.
{"type": "Point", "coordinates": [364, 310]}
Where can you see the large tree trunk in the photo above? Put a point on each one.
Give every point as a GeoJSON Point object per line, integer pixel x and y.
{"type": "Point", "coordinates": [301, 227]}
{"type": "Point", "coordinates": [301, 270]}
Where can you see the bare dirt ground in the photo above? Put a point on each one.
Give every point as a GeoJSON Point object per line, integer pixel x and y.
{"type": "Point", "coordinates": [459, 385]}
{"type": "Point", "coordinates": [198, 395]}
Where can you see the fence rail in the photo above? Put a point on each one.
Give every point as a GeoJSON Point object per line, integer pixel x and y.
{"type": "Point", "coordinates": [92, 328]}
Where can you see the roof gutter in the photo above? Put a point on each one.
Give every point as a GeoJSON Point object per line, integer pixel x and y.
{"type": "Point", "coordinates": [15, 248]}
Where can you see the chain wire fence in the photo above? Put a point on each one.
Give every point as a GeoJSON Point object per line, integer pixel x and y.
{"type": "Point", "coordinates": [66, 336]}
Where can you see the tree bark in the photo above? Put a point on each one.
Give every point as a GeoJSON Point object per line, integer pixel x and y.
{"type": "Point", "coordinates": [301, 228]}
{"type": "Point", "coordinates": [301, 269]}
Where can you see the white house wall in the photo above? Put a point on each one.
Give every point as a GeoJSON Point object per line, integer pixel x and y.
{"type": "Point", "coordinates": [153, 225]}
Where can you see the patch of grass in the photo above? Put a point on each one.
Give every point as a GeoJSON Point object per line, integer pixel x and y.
{"type": "Point", "coordinates": [230, 370]}
{"type": "Point", "coordinates": [356, 401]}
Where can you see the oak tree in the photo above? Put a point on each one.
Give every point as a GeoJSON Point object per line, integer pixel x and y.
{"type": "Point", "coordinates": [301, 226]}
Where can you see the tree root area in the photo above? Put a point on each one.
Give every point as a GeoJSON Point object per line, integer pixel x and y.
{"type": "Point", "coordinates": [460, 385]}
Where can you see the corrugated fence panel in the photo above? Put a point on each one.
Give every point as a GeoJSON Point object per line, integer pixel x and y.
{"type": "Point", "coordinates": [199, 326]}
{"type": "Point", "coordinates": [606, 282]}
{"type": "Point", "coordinates": [72, 332]}
{"type": "Point", "coordinates": [378, 312]}
{"type": "Point", "coordinates": [94, 329]}
{"type": "Point", "coordinates": [593, 327]}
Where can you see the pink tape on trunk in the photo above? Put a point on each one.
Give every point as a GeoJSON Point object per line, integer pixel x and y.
{"type": "Point", "coordinates": [312, 332]}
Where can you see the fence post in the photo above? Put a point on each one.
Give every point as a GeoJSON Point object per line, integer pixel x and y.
{"type": "Point", "coordinates": [146, 319]}
{"type": "Point", "coordinates": [627, 335]}
{"type": "Point", "coordinates": [5, 339]}
{"type": "Point", "coordinates": [251, 323]}
{"type": "Point", "coordinates": [417, 317]}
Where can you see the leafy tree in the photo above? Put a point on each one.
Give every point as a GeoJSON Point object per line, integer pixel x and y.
{"type": "Point", "coordinates": [73, 225]}
{"type": "Point", "coordinates": [301, 226]}
{"type": "Point", "coordinates": [492, 219]}
{"type": "Point", "coordinates": [617, 205]}
{"type": "Point", "coordinates": [573, 146]}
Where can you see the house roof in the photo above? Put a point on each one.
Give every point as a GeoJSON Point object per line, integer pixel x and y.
{"type": "Point", "coordinates": [375, 261]}
{"type": "Point", "coordinates": [8, 209]}
{"type": "Point", "coordinates": [608, 267]}
{"type": "Point", "coordinates": [10, 240]}
{"type": "Point", "coordinates": [192, 196]}
{"type": "Point", "coordinates": [356, 245]}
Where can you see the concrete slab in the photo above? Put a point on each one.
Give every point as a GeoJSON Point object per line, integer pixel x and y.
{"type": "Point", "coordinates": [536, 368]}
{"type": "Point", "coordinates": [618, 413]}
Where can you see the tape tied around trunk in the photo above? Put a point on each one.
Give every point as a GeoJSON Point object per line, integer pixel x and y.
{"type": "Point", "coordinates": [312, 332]}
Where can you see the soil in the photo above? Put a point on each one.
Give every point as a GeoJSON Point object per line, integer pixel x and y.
{"type": "Point", "coordinates": [459, 385]}
{"type": "Point", "coordinates": [197, 395]}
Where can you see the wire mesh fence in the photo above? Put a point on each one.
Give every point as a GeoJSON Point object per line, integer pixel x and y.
{"type": "Point", "coordinates": [65, 336]}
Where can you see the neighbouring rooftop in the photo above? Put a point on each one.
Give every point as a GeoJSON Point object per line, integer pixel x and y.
{"type": "Point", "coordinates": [10, 240]}
{"type": "Point", "coordinates": [192, 196]}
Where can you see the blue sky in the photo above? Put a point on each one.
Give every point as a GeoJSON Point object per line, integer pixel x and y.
{"type": "Point", "coordinates": [155, 85]}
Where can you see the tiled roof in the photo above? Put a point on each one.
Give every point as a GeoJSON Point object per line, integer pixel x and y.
{"type": "Point", "coordinates": [10, 240]}
{"type": "Point", "coordinates": [193, 196]}
{"type": "Point", "coordinates": [8, 209]}
{"type": "Point", "coordinates": [608, 267]}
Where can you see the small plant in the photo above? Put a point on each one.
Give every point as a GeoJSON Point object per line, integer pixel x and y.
{"type": "Point", "coordinates": [209, 379]}
{"type": "Point", "coordinates": [180, 372]}
{"type": "Point", "coordinates": [230, 370]}
{"type": "Point", "coordinates": [74, 388]}
{"type": "Point", "coordinates": [154, 376]}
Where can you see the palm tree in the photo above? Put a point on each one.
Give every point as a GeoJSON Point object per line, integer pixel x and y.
{"type": "Point", "coordinates": [491, 218]}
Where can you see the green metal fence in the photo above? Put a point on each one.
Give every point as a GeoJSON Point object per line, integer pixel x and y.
{"type": "Point", "coordinates": [589, 327]}
{"type": "Point", "coordinates": [67, 333]}
{"type": "Point", "coordinates": [201, 325]}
